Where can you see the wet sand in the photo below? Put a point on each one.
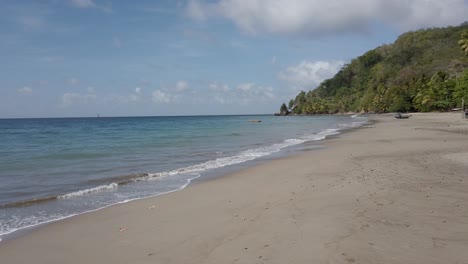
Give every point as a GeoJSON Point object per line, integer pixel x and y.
{"type": "Point", "coordinates": [395, 191]}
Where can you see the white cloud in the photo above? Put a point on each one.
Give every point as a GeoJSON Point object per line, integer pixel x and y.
{"type": "Point", "coordinates": [90, 89]}
{"type": "Point", "coordinates": [181, 86]}
{"type": "Point", "coordinates": [249, 92]}
{"type": "Point", "coordinates": [159, 96]}
{"type": "Point", "coordinates": [25, 90]}
{"type": "Point", "coordinates": [136, 96]}
{"type": "Point", "coordinates": [244, 93]}
{"type": "Point", "coordinates": [172, 93]}
{"type": "Point", "coordinates": [312, 17]}
{"type": "Point", "coordinates": [214, 93]}
{"type": "Point", "coordinates": [308, 75]}
{"type": "Point", "coordinates": [215, 87]}
{"type": "Point", "coordinates": [69, 99]}
{"type": "Point", "coordinates": [245, 86]}
{"type": "Point", "coordinates": [83, 3]}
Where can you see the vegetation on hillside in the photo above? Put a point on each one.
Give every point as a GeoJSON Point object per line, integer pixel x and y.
{"type": "Point", "coordinates": [425, 70]}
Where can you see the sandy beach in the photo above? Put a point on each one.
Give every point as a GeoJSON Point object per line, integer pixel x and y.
{"type": "Point", "coordinates": [394, 191]}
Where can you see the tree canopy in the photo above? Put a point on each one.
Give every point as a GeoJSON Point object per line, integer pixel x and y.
{"type": "Point", "coordinates": [424, 70]}
{"type": "Point", "coordinates": [464, 42]}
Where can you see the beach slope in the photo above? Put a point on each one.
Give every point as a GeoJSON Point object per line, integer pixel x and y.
{"type": "Point", "coordinates": [394, 191]}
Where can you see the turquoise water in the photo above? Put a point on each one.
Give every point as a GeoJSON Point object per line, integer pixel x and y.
{"type": "Point", "coordinates": [51, 169]}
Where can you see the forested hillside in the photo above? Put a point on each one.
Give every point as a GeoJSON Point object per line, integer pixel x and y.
{"type": "Point", "coordinates": [425, 70]}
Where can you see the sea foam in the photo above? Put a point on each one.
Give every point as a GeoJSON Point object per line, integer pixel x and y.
{"type": "Point", "coordinates": [244, 156]}
{"type": "Point", "coordinates": [88, 191]}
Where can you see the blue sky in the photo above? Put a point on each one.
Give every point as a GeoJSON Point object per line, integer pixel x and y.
{"type": "Point", "coordinates": [63, 58]}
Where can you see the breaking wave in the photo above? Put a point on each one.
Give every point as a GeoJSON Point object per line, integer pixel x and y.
{"type": "Point", "coordinates": [88, 191]}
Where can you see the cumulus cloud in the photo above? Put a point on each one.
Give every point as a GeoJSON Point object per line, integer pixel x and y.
{"type": "Point", "coordinates": [245, 86]}
{"type": "Point", "coordinates": [216, 87]}
{"type": "Point", "coordinates": [243, 93]}
{"type": "Point", "coordinates": [171, 93]}
{"type": "Point", "coordinates": [159, 96]}
{"type": "Point", "coordinates": [136, 95]}
{"type": "Point", "coordinates": [250, 92]}
{"type": "Point", "coordinates": [312, 17]}
{"type": "Point", "coordinates": [25, 90]}
{"type": "Point", "coordinates": [181, 86]}
{"type": "Point", "coordinates": [214, 93]}
{"type": "Point", "coordinates": [308, 75]}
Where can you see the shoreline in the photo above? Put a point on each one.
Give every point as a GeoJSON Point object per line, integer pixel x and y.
{"type": "Point", "coordinates": [207, 175]}
{"type": "Point", "coordinates": [373, 195]}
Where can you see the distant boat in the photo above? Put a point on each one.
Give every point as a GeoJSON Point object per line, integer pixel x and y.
{"type": "Point", "coordinates": [255, 121]}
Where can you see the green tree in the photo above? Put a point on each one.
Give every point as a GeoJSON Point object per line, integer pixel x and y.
{"type": "Point", "coordinates": [422, 95]}
{"type": "Point", "coordinates": [291, 104]}
{"type": "Point", "coordinates": [461, 88]}
{"type": "Point", "coordinates": [463, 42]}
{"type": "Point", "coordinates": [284, 109]}
{"type": "Point", "coordinates": [300, 102]}
{"type": "Point", "coordinates": [441, 87]}
{"type": "Point", "coordinates": [393, 77]}
{"type": "Point", "coordinates": [367, 101]}
{"type": "Point", "coordinates": [398, 99]}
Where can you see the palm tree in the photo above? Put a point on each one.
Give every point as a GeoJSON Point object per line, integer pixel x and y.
{"type": "Point", "coordinates": [463, 42]}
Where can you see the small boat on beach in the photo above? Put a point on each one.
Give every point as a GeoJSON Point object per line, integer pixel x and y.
{"type": "Point", "coordinates": [400, 116]}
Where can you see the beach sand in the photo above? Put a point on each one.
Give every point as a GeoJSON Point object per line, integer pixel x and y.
{"type": "Point", "coordinates": [395, 191]}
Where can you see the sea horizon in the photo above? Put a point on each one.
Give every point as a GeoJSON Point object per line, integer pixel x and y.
{"type": "Point", "coordinates": [136, 116]}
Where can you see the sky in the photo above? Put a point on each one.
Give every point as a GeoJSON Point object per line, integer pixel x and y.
{"type": "Point", "coordinates": [78, 58]}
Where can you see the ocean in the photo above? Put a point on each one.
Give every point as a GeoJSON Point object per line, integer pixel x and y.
{"type": "Point", "coordinates": [55, 168]}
